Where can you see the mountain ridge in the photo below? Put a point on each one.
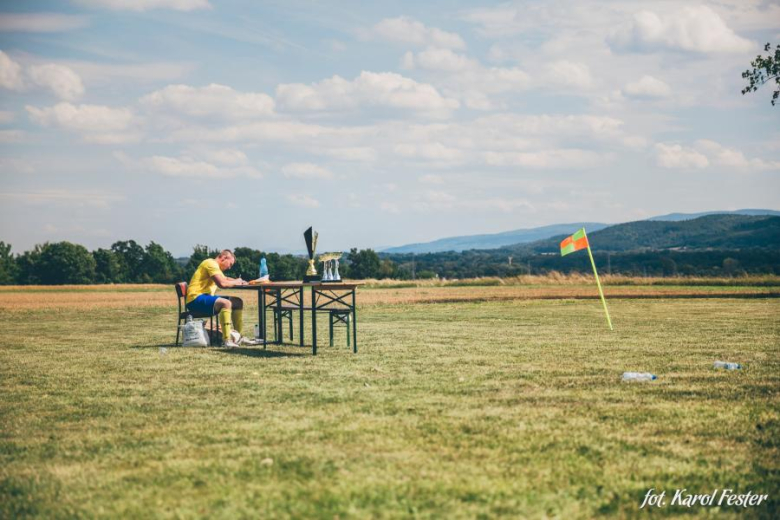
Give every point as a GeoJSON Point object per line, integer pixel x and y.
{"type": "Point", "coordinates": [529, 235]}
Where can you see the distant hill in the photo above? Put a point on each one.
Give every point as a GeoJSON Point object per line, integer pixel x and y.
{"type": "Point", "coordinates": [708, 232]}
{"type": "Point", "coordinates": [676, 217]}
{"type": "Point", "coordinates": [493, 241]}
{"type": "Point", "coordinates": [525, 236]}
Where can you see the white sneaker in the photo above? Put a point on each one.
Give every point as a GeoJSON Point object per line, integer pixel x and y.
{"type": "Point", "coordinates": [235, 336]}
{"type": "Point", "coordinates": [250, 342]}
{"type": "Point", "coordinates": [230, 344]}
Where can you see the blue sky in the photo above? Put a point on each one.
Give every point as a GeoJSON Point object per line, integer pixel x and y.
{"type": "Point", "coordinates": [242, 123]}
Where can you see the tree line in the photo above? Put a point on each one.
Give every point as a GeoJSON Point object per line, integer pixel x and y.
{"type": "Point", "coordinates": [129, 262]}
{"type": "Point", "coordinates": [126, 261]}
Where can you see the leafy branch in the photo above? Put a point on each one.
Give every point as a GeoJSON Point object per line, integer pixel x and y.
{"type": "Point", "coordinates": [764, 70]}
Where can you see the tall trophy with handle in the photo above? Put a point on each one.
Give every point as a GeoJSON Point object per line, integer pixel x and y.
{"type": "Point", "coordinates": [311, 246]}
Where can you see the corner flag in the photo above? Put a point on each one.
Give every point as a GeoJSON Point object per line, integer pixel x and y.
{"type": "Point", "coordinates": [577, 241]}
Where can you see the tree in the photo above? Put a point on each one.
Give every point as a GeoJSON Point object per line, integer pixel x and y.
{"type": "Point", "coordinates": [158, 265]}
{"type": "Point", "coordinates": [8, 267]}
{"type": "Point", "coordinates": [107, 266]}
{"type": "Point", "coordinates": [27, 266]}
{"type": "Point", "coordinates": [131, 258]}
{"type": "Point", "coordinates": [363, 264]}
{"type": "Point", "coordinates": [63, 262]}
{"type": "Point", "coordinates": [764, 70]}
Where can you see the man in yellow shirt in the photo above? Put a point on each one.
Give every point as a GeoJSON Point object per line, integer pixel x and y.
{"type": "Point", "coordinates": [201, 296]}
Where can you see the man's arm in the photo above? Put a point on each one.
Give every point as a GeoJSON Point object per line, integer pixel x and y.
{"type": "Point", "coordinates": [223, 282]}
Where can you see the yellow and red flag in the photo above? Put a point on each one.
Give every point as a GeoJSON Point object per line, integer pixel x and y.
{"type": "Point", "coordinates": [577, 241]}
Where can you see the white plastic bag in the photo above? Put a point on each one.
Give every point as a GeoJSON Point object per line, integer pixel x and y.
{"type": "Point", "coordinates": [194, 333]}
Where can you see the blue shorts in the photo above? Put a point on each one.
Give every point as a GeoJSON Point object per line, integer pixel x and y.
{"type": "Point", "coordinates": [203, 304]}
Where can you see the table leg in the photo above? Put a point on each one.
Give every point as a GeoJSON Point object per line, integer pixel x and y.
{"type": "Point", "coordinates": [279, 315]}
{"type": "Point", "coordinates": [261, 311]}
{"type": "Point", "coordinates": [313, 321]}
{"type": "Point", "coordinates": [300, 313]}
{"type": "Point", "coordinates": [354, 323]}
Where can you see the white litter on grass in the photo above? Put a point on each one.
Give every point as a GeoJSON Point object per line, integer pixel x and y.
{"type": "Point", "coordinates": [639, 376]}
{"type": "Point", "coordinates": [726, 365]}
{"type": "Point", "coordinates": [163, 351]}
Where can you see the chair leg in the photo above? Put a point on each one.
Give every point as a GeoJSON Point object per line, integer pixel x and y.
{"type": "Point", "coordinates": [347, 328]}
{"type": "Point", "coordinates": [178, 330]}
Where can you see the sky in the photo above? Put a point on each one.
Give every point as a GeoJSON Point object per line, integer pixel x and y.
{"type": "Point", "coordinates": [231, 123]}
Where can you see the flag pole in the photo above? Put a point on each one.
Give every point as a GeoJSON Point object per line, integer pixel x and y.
{"type": "Point", "coordinates": [601, 293]}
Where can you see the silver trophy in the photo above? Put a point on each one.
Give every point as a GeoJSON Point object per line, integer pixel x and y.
{"type": "Point", "coordinates": [330, 271]}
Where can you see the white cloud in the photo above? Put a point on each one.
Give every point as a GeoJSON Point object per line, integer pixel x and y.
{"type": "Point", "coordinates": [548, 159]}
{"type": "Point", "coordinates": [83, 118]}
{"type": "Point", "coordinates": [151, 72]}
{"type": "Point", "coordinates": [696, 29]}
{"type": "Point", "coordinates": [14, 165]}
{"type": "Point", "coordinates": [353, 153]}
{"type": "Point", "coordinates": [439, 60]}
{"type": "Point", "coordinates": [212, 100]}
{"type": "Point", "coordinates": [226, 156]}
{"type": "Point", "coordinates": [432, 151]}
{"type": "Point", "coordinates": [648, 87]}
{"type": "Point", "coordinates": [733, 158]}
{"type": "Point", "coordinates": [61, 80]}
{"type": "Point", "coordinates": [303, 200]}
{"type": "Point", "coordinates": [677, 156]}
{"type": "Point", "coordinates": [431, 179]}
{"type": "Point", "coordinates": [147, 5]}
{"type": "Point", "coordinates": [10, 73]}
{"type": "Point", "coordinates": [410, 31]}
{"type": "Point", "coordinates": [12, 136]}
{"type": "Point", "coordinates": [70, 198]}
{"type": "Point", "coordinates": [390, 207]}
{"type": "Point", "coordinates": [466, 78]}
{"type": "Point", "coordinates": [306, 171]}
{"type": "Point", "coordinates": [569, 74]}
{"type": "Point", "coordinates": [41, 22]}
{"type": "Point", "coordinates": [383, 89]}
{"type": "Point", "coordinates": [186, 166]}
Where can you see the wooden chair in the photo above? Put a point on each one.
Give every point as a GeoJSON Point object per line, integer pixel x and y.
{"type": "Point", "coordinates": [181, 293]}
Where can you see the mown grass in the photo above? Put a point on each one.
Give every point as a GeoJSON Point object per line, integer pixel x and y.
{"type": "Point", "coordinates": [449, 410]}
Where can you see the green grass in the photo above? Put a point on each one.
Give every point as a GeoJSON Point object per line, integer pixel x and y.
{"type": "Point", "coordinates": [473, 410]}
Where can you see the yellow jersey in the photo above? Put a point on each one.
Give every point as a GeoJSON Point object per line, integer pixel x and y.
{"type": "Point", "coordinates": [203, 280]}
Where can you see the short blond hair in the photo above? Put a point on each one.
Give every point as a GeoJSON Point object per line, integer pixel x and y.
{"type": "Point", "coordinates": [227, 252]}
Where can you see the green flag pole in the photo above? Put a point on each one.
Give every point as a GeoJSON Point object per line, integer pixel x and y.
{"type": "Point", "coordinates": [601, 293]}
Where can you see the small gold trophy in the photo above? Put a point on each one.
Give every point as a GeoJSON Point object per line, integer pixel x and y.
{"type": "Point", "coordinates": [311, 246]}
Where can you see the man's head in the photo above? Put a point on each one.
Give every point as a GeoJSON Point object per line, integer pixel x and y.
{"type": "Point", "coordinates": [226, 259]}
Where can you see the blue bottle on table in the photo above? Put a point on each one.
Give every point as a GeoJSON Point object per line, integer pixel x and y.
{"type": "Point", "coordinates": [263, 267]}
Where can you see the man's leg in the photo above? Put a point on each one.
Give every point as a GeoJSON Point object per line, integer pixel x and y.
{"type": "Point", "coordinates": [238, 314]}
{"type": "Point", "coordinates": [223, 307]}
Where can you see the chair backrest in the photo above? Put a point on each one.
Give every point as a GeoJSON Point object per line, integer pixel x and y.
{"type": "Point", "coordinates": [181, 293]}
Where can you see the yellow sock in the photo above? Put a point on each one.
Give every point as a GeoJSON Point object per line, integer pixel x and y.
{"type": "Point", "coordinates": [238, 321]}
{"type": "Point", "coordinates": [227, 324]}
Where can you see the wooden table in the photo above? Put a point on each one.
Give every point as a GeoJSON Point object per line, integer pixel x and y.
{"type": "Point", "coordinates": [324, 297]}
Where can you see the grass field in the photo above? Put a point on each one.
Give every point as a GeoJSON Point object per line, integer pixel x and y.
{"type": "Point", "coordinates": [464, 401]}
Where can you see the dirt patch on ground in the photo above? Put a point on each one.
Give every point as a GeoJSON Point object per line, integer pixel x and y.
{"type": "Point", "coordinates": [128, 297]}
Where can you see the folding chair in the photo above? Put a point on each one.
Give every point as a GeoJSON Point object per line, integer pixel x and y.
{"type": "Point", "coordinates": [181, 293]}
